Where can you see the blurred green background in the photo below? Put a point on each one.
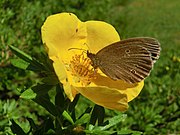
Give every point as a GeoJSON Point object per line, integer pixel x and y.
{"type": "Point", "coordinates": [155, 111]}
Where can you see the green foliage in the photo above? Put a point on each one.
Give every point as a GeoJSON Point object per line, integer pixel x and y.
{"type": "Point", "coordinates": [34, 103]}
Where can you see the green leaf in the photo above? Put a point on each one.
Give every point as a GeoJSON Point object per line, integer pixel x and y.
{"type": "Point", "coordinates": [28, 94]}
{"type": "Point", "coordinates": [50, 79]}
{"type": "Point", "coordinates": [114, 121]}
{"type": "Point", "coordinates": [88, 110]}
{"type": "Point", "coordinates": [58, 126]}
{"type": "Point", "coordinates": [46, 61]}
{"type": "Point", "coordinates": [39, 89]}
{"type": "Point", "coordinates": [71, 107]}
{"type": "Point", "coordinates": [16, 129]}
{"type": "Point", "coordinates": [84, 119]}
{"type": "Point", "coordinates": [73, 104]}
{"type": "Point", "coordinates": [127, 132]}
{"type": "Point", "coordinates": [34, 64]}
{"type": "Point", "coordinates": [97, 115]}
{"type": "Point", "coordinates": [45, 102]}
{"type": "Point", "coordinates": [19, 63]}
{"type": "Point", "coordinates": [33, 125]}
{"type": "Point", "coordinates": [67, 117]}
{"type": "Point", "coordinates": [46, 127]}
{"type": "Point", "coordinates": [48, 124]}
{"type": "Point", "coordinates": [39, 94]}
{"type": "Point", "coordinates": [59, 98]}
{"type": "Point", "coordinates": [99, 132]}
{"type": "Point", "coordinates": [42, 89]}
{"type": "Point", "coordinates": [103, 129]}
{"type": "Point", "coordinates": [21, 54]}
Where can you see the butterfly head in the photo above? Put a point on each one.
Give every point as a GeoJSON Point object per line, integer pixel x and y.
{"type": "Point", "coordinates": [94, 59]}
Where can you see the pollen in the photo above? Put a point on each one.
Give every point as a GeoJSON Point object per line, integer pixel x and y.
{"type": "Point", "coordinates": [82, 70]}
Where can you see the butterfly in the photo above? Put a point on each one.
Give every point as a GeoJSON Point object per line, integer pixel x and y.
{"type": "Point", "coordinates": [130, 60]}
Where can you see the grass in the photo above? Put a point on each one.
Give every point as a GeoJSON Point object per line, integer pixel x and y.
{"type": "Point", "coordinates": [155, 111]}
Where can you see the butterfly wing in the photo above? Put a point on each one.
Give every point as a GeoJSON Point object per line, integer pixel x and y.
{"type": "Point", "coordinates": [131, 63]}
{"type": "Point", "coordinates": [151, 44]}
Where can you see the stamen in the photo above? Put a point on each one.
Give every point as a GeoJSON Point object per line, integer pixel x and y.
{"type": "Point", "coordinates": [81, 69]}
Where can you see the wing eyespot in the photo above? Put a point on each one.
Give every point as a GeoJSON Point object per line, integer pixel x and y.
{"type": "Point", "coordinates": [136, 66]}
{"type": "Point", "coordinates": [133, 71]}
{"type": "Point", "coordinates": [127, 51]}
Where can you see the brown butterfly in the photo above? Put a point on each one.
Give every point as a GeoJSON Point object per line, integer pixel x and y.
{"type": "Point", "coordinates": [130, 60]}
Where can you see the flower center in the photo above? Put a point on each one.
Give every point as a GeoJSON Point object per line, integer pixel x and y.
{"type": "Point", "coordinates": [82, 70]}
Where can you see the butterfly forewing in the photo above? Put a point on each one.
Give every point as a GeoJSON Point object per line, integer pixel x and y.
{"type": "Point", "coordinates": [151, 44]}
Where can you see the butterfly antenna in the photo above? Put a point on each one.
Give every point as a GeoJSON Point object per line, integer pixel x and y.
{"type": "Point", "coordinates": [84, 51]}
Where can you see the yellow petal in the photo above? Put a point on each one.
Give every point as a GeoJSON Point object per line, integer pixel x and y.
{"type": "Point", "coordinates": [108, 98]}
{"type": "Point", "coordinates": [61, 32]}
{"type": "Point", "coordinates": [59, 68]}
{"type": "Point", "coordinates": [69, 90]}
{"type": "Point", "coordinates": [134, 91]}
{"type": "Point", "coordinates": [63, 78]}
{"type": "Point", "coordinates": [131, 90]}
{"type": "Point", "coordinates": [111, 94]}
{"type": "Point", "coordinates": [99, 35]}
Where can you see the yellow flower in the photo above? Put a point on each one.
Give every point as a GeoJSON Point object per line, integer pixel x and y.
{"type": "Point", "coordinates": [66, 39]}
